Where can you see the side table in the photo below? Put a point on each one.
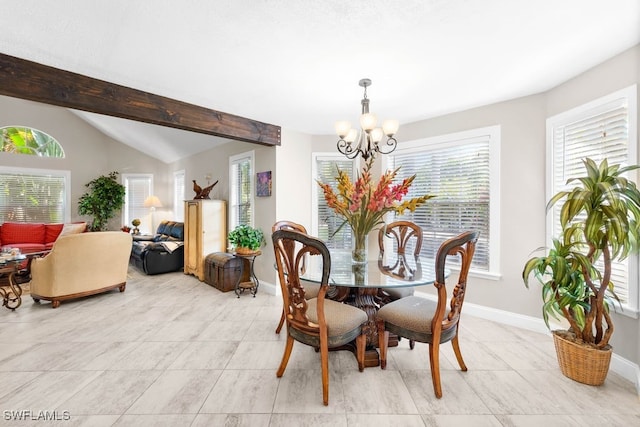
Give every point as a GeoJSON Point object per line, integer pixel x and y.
{"type": "Point", "coordinates": [14, 273]}
{"type": "Point", "coordinates": [12, 295]}
{"type": "Point", "coordinates": [253, 283]}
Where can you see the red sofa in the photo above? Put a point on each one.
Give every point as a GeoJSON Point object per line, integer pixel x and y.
{"type": "Point", "coordinates": [35, 237]}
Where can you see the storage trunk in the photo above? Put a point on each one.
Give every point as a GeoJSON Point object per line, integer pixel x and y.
{"type": "Point", "coordinates": [222, 270]}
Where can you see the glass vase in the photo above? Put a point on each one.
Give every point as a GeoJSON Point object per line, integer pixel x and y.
{"type": "Point", "coordinates": [359, 250]}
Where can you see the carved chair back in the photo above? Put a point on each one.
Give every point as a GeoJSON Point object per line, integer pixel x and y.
{"type": "Point", "coordinates": [464, 246]}
{"type": "Point", "coordinates": [290, 249]}
{"type": "Point", "coordinates": [401, 233]}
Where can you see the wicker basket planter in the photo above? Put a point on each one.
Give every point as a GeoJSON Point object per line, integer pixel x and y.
{"type": "Point", "coordinates": [241, 250]}
{"type": "Point", "coordinates": [583, 364]}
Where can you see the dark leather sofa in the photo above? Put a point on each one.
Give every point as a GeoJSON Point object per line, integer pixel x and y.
{"type": "Point", "coordinates": [151, 255]}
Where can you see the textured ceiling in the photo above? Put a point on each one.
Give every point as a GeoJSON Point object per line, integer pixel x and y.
{"type": "Point", "coordinates": [297, 63]}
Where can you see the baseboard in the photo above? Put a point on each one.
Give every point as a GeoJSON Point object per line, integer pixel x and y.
{"type": "Point", "coordinates": [621, 366]}
{"type": "Point", "coordinates": [269, 288]}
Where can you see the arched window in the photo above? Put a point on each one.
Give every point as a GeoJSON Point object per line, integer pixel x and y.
{"type": "Point", "coordinates": [26, 140]}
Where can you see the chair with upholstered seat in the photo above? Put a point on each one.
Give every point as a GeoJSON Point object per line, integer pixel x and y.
{"type": "Point", "coordinates": [317, 322]}
{"type": "Point", "coordinates": [310, 289]}
{"type": "Point", "coordinates": [428, 321]}
{"type": "Point", "coordinates": [402, 236]}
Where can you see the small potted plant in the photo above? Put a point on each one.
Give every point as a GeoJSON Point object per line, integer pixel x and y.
{"type": "Point", "coordinates": [135, 222]}
{"type": "Point", "coordinates": [246, 239]}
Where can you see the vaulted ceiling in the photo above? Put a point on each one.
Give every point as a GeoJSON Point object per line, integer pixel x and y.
{"type": "Point", "coordinates": [297, 64]}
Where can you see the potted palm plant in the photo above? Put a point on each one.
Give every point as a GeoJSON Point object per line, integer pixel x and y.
{"type": "Point", "coordinates": [600, 223]}
{"type": "Point", "coordinates": [246, 239]}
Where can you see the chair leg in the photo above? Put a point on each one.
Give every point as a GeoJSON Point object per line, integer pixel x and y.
{"type": "Point", "coordinates": [361, 343]}
{"type": "Point", "coordinates": [285, 357]}
{"type": "Point", "coordinates": [412, 344]}
{"type": "Point", "coordinates": [279, 328]}
{"type": "Point", "coordinates": [434, 360]}
{"type": "Point", "coordinates": [324, 363]}
{"type": "Point", "coordinates": [456, 350]}
{"type": "Point", "coordinates": [383, 343]}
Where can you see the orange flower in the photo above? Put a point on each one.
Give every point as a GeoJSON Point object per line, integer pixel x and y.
{"type": "Point", "coordinates": [363, 204]}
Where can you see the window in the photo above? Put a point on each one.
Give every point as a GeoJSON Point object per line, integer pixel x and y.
{"type": "Point", "coordinates": [326, 222]}
{"type": "Point", "coordinates": [604, 128]}
{"type": "Point", "coordinates": [241, 189]}
{"type": "Point", "coordinates": [178, 195]}
{"type": "Point", "coordinates": [138, 187]}
{"type": "Point", "coordinates": [462, 171]}
{"type": "Point", "coordinates": [26, 140]}
{"type": "Point", "coordinates": [34, 195]}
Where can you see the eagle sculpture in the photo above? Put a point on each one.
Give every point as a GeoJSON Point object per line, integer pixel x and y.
{"type": "Point", "coordinates": [202, 193]}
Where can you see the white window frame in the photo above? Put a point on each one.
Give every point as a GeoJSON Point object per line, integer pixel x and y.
{"type": "Point", "coordinates": [233, 205]}
{"type": "Point", "coordinates": [597, 106]}
{"type": "Point", "coordinates": [460, 138]}
{"type": "Point", "coordinates": [65, 174]}
{"type": "Point", "coordinates": [178, 194]}
{"type": "Point", "coordinates": [127, 216]}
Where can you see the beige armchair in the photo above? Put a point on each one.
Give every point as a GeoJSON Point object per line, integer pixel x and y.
{"type": "Point", "coordinates": [80, 265]}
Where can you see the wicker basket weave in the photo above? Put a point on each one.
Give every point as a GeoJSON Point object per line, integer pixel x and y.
{"type": "Point", "coordinates": [583, 364]}
{"type": "Point", "coordinates": [241, 250]}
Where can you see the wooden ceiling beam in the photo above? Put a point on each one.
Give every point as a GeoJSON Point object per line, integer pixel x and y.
{"type": "Point", "coordinates": [20, 78]}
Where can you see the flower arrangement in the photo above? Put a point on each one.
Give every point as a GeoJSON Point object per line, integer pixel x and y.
{"type": "Point", "coordinates": [363, 203]}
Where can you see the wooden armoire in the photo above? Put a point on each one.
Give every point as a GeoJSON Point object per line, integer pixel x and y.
{"type": "Point", "coordinates": [205, 232]}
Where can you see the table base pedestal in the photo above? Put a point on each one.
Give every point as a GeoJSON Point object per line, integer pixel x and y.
{"type": "Point", "coordinates": [366, 300]}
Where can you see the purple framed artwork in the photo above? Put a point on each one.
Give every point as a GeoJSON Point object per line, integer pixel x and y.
{"type": "Point", "coordinates": [263, 186]}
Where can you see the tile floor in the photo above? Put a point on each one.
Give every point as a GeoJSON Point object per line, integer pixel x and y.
{"type": "Point", "coordinates": [172, 351]}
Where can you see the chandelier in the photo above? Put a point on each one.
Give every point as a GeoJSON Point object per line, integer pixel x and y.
{"type": "Point", "coordinates": [366, 141]}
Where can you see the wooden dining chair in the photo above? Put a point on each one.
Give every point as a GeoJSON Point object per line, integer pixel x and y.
{"type": "Point", "coordinates": [428, 321]}
{"type": "Point", "coordinates": [310, 289]}
{"type": "Point", "coordinates": [317, 322]}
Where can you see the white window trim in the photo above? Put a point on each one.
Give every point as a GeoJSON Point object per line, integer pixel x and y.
{"type": "Point", "coordinates": [252, 189]}
{"type": "Point", "coordinates": [452, 139]}
{"type": "Point", "coordinates": [594, 107]}
{"type": "Point", "coordinates": [55, 172]}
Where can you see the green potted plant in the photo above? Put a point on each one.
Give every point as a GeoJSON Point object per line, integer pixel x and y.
{"type": "Point", "coordinates": [246, 239]}
{"type": "Point", "coordinates": [103, 199]}
{"type": "Point", "coordinates": [600, 220]}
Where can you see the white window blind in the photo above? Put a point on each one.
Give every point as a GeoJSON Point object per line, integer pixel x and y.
{"type": "Point", "coordinates": [458, 174]}
{"type": "Point", "coordinates": [178, 195]}
{"type": "Point", "coordinates": [597, 130]}
{"type": "Point", "coordinates": [33, 195]}
{"type": "Point", "coordinates": [241, 190]}
{"type": "Point", "coordinates": [328, 222]}
{"type": "Point", "coordinates": [137, 189]}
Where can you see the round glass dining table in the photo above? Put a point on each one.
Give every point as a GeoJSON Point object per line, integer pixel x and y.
{"type": "Point", "coordinates": [389, 271]}
{"type": "Point", "coordinates": [364, 285]}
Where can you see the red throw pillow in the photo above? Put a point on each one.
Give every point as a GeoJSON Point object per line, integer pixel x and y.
{"type": "Point", "coordinates": [19, 232]}
{"type": "Point", "coordinates": [52, 231]}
